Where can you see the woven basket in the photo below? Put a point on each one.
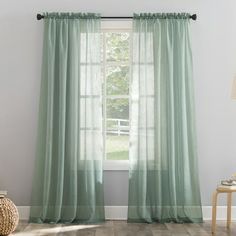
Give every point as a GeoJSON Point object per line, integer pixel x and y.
{"type": "Point", "coordinates": [9, 216]}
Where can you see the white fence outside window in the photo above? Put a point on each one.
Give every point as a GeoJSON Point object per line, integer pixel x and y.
{"type": "Point", "coordinates": [118, 126]}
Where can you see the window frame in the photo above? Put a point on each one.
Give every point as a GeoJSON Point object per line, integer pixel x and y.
{"type": "Point", "coordinates": [115, 26]}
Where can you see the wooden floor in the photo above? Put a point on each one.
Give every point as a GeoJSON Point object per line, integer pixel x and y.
{"type": "Point", "coordinates": [122, 228]}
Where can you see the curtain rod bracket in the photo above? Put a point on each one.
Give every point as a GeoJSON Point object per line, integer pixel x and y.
{"type": "Point", "coordinates": [193, 17]}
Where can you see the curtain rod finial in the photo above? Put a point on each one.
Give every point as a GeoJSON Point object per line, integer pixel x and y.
{"type": "Point", "coordinates": [39, 16]}
{"type": "Point", "coordinates": [194, 17]}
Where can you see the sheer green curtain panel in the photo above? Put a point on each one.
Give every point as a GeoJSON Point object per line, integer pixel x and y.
{"type": "Point", "coordinates": [163, 177]}
{"type": "Point", "coordinates": [68, 182]}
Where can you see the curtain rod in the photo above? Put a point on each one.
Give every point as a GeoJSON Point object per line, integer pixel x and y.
{"type": "Point", "coordinates": [193, 17]}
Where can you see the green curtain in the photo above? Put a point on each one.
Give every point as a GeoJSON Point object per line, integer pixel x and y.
{"type": "Point", "coordinates": [68, 182]}
{"type": "Point", "coordinates": [163, 177]}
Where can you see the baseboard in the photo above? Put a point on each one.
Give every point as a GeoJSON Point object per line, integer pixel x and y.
{"type": "Point", "coordinates": [116, 212]}
{"type": "Point", "coordinates": [120, 212]}
{"type": "Point", "coordinates": [23, 212]}
{"type": "Point", "coordinates": [221, 212]}
{"type": "Point", "coordinates": [111, 212]}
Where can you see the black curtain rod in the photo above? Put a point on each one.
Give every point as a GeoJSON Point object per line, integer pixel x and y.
{"type": "Point", "coordinates": [193, 17]}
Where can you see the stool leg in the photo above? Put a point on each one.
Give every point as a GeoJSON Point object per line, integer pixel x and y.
{"type": "Point", "coordinates": [229, 203]}
{"type": "Point", "coordinates": [214, 206]}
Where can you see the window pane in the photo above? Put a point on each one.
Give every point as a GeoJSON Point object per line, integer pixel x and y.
{"type": "Point", "coordinates": [117, 78]}
{"type": "Point", "coordinates": [118, 108]}
{"type": "Point", "coordinates": [116, 82]}
{"type": "Point", "coordinates": [117, 46]}
{"type": "Point", "coordinates": [117, 147]}
{"type": "Point", "coordinates": [117, 129]}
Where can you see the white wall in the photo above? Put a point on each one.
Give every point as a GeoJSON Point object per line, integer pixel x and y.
{"type": "Point", "coordinates": [214, 47]}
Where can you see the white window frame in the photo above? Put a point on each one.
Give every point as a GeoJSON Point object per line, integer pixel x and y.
{"type": "Point", "coordinates": [113, 26]}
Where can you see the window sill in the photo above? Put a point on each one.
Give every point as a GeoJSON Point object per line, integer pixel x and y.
{"type": "Point", "coordinates": [116, 165]}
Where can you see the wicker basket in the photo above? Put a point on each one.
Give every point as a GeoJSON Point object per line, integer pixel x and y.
{"type": "Point", "coordinates": [9, 216]}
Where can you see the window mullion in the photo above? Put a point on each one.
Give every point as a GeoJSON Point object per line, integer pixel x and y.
{"type": "Point", "coordinates": [117, 96]}
{"type": "Point", "coordinates": [118, 63]}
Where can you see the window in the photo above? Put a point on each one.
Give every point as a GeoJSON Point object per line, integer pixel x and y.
{"type": "Point", "coordinates": [116, 69]}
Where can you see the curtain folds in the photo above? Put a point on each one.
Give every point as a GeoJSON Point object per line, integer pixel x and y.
{"type": "Point", "coordinates": [163, 177]}
{"type": "Point", "coordinates": [68, 182]}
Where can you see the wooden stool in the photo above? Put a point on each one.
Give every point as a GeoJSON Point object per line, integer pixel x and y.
{"type": "Point", "coordinates": [222, 189]}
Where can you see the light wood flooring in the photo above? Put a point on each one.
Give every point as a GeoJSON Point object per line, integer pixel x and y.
{"type": "Point", "coordinates": [122, 228]}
